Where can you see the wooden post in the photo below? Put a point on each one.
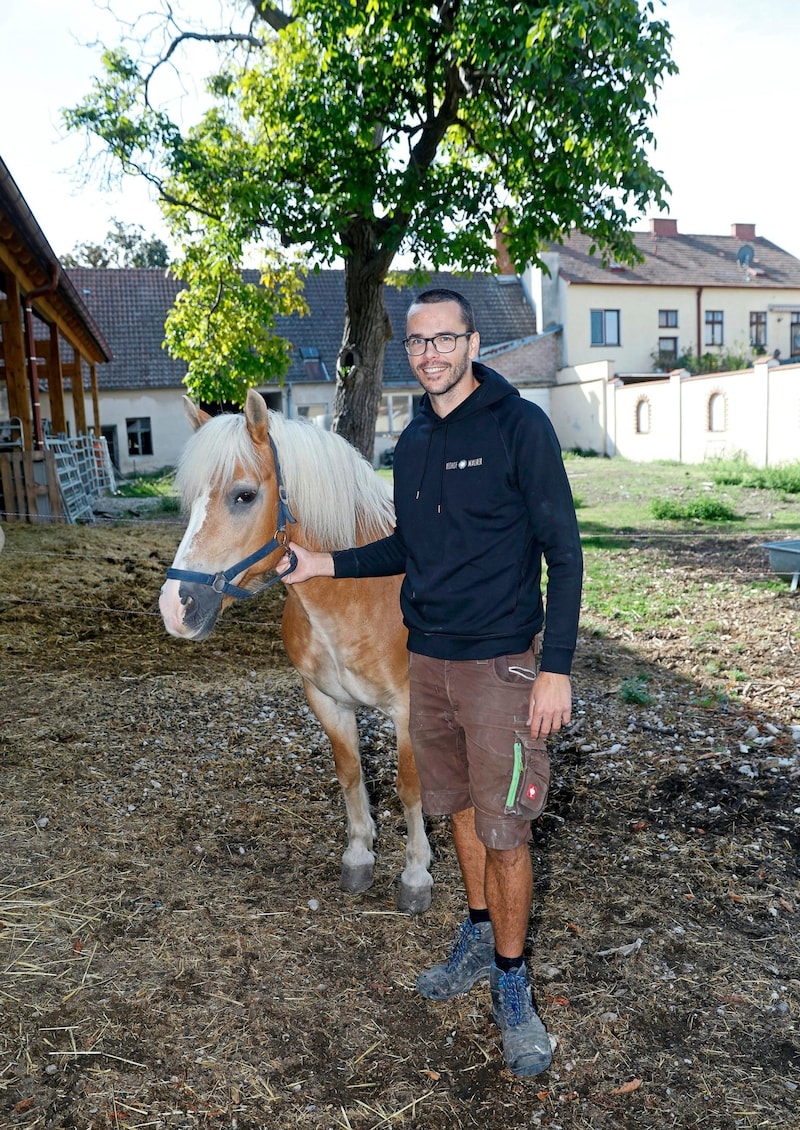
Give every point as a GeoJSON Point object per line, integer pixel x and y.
{"type": "Point", "coordinates": [95, 398]}
{"type": "Point", "coordinates": [78, 399]}
{"type": "Point", "coordinates": [19, 402]}
{"type": "Point", "coordinates": [55, 381]}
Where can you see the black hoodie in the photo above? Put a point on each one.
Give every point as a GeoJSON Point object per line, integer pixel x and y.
{"type": "Point", "coordinates": [480, 496]}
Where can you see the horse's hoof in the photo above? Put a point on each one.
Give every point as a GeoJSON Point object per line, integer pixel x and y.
{"type": "Point", "coordinates": [356, 880]}
{"type": "Point", "coordinates": [413, 900]}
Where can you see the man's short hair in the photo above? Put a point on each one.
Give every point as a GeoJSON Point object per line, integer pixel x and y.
{"type": "Point", "coordinates": [442, 294]}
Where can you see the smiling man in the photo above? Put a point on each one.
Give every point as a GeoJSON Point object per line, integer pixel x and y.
{"type": "Point", "coordinates": [481, 497]}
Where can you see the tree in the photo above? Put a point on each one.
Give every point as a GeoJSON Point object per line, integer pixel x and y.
{"type": "Point", "coordinates": [126, 246]}
{"type": "Point", "coordinates": [358, 131]}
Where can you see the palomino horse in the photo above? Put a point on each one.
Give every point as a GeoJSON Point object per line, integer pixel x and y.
{"type": "Point", "coordinates": [240, 478]}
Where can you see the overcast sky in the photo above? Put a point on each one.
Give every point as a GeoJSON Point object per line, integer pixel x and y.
{"type": "Point", "coordinates": [726, 125]}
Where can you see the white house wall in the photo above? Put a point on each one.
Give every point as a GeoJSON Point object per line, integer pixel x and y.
{"type": "Point", "coordinates": [758, 416]}
{"type": "Point", "coordinates": [163, 407]}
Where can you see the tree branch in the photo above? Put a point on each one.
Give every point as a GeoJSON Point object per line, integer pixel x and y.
{"type": "Point", "coordinates": [276, 18]}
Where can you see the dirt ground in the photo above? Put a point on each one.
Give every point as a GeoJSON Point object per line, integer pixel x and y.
{"type": "Point", "coordinates": [174, 948]}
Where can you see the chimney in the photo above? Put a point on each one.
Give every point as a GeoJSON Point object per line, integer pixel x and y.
{"type": "Point", "coordinates": [663, 225]}
{"type": "Point", "coordinates": [743, 231]}
{"type": "Point", "coordinates": [502, 257]}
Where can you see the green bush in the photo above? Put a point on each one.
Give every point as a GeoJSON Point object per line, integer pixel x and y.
{"type": "Point", "coordinates": [698, 509]}
{"type": "Point", "coordinates": [738, 472]}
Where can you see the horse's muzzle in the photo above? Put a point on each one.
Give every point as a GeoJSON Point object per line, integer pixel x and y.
{"type": "Point", "coordinates": [189, 609]}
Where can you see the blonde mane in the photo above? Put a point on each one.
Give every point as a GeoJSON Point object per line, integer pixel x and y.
{"type": "Point", "coordinates": [332, 490]}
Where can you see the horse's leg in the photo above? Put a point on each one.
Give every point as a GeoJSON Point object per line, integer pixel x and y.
{"type": "Point", "coordinates": [339, 723]}
{"type": "Point", "coordinates": [414, 895]}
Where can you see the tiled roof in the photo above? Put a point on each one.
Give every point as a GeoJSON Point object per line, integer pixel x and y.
{"type": "Point", "coordinates": [683, 260]}
{"type": "Point", "coordinates": [131, 306]}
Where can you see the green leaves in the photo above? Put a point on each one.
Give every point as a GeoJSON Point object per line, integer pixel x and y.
{"type": "Point", "coordinates": [359, 130]}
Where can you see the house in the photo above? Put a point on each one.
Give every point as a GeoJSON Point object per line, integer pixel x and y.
{"type": "Point", "coordinates": [734, 296]}
{"type": "Point", "coordinates": [141, 390]}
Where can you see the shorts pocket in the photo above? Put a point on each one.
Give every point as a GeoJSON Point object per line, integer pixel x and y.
{"type": "Point", "coordinates": [530, 778]}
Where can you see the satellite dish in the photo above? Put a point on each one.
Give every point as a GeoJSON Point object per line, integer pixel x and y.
{"type": "Point", "coordinates": [746, 255]}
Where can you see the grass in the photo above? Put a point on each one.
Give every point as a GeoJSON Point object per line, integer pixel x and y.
{"type": "Point", "coordinates": [738, 472]}
{"type": "Point", "coordinates": [156, 484]}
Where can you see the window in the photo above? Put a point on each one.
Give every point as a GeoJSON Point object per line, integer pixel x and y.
{"type": "Point", "coordinates": [758, 327]}
{"type": "Point", "coordinates": [668, 319]}
{"type": "Point", "coordinates": [140, 436]}
{"type": "Point", "coordinates": [717, 412]}
{"type": "Point", "coordinates": [667, 350]}
{"type": "Point", "coordinates": [643, 416]}
{"type": "Point", "coordinates": [314, 368]}
{"type": "Point", "coordinates": [794, 335]}
{"type": "Point", "coordinates": [714, 326]}
{"type": "Point", "coordinates": [605, 327]}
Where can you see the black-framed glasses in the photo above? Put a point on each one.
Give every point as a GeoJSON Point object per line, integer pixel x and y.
{"type": "Point", "coordinates": [442, 343]}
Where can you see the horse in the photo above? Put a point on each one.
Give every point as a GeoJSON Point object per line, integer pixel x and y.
{"type": "Point", "coordinates": [242, 475]}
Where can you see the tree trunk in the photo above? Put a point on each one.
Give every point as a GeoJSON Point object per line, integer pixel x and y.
{"type": "Point", "coordinates": [367, 329]}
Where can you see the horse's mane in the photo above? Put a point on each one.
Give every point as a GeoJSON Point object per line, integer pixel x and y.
{"type": "Point", "coordinates": [332, 490]}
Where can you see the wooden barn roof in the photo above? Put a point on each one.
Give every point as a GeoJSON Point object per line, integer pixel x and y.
{"type": "Point", "coordinates": [26, 254]}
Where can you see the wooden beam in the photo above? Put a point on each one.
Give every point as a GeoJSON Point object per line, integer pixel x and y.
{"type": "Point", "coordinates": [55, 384]}
{"type": "Point", "coordinates": [19, 401]}
{"type": "Point", "coordinates": [78, 398]}
{"type": "Point", "coordinates": [95, 399]}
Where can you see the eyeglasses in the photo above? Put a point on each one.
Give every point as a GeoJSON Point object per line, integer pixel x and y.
{"type": "Point", "coordinates": [442, 343]}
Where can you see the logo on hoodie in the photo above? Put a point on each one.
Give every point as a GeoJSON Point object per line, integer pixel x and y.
{"type": "Point", "coordinates": [461, 464]}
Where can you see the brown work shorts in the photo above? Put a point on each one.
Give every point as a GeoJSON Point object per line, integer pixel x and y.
{"type": "Point", "coordinates": [472, 743]}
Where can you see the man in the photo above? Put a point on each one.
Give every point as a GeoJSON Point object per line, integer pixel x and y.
{"type": "Point", "coordinates": [481, 495]}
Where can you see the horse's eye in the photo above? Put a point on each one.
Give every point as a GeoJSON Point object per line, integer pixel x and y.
{"type": "Point", "coordinates": [245, 497]}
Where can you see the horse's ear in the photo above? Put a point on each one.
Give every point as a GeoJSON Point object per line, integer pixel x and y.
{"type": "Point", "coordinates": [196, 416]}
{"type": "Point", "coordinates": [257, 416]}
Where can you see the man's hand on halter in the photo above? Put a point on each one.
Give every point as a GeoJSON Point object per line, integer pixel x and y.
{"type": "Point", "coordinates": [309, 565]}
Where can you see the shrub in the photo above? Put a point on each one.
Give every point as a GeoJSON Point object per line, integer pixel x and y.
{"type": "Point", "coordinates": [699, 509]}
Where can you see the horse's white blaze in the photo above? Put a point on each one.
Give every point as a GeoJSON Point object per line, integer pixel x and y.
{"type": "Point", "coordinates": [169, 602]}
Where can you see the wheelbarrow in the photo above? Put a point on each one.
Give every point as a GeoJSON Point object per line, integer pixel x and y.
{"type": "Point", "coordinates": [784, 558]}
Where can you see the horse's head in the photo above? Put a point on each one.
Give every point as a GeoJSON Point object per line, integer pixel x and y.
{"type": "Point", "coordinates": [229, 486]}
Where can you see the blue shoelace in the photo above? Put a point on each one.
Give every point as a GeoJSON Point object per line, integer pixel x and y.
{"type": "Point", "coordinates": [467, 933]}
{"type": "Point", "coordinates": [515, 999]}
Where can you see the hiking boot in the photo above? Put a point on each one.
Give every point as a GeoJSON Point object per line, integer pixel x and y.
{"type": "Point", "coordinates": [470, 959]}
{"type": "Point", "coordinates": [526, 1045]}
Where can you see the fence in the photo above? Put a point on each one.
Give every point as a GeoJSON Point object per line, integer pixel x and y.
{"type": "Point", "coordinates": [60, 483]}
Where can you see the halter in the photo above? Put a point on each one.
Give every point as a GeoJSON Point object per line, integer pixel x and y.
{"type": "Point", "coordinates": [221, 582]}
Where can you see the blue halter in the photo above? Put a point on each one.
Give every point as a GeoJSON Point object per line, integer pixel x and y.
{"type": "Point", "coordinates": [221, 582]}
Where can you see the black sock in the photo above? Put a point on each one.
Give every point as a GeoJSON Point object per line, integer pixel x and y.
{"type": "Point", "coordinates": [477, 916]}
{"type": "Point", "coordinates": [506, 964]}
